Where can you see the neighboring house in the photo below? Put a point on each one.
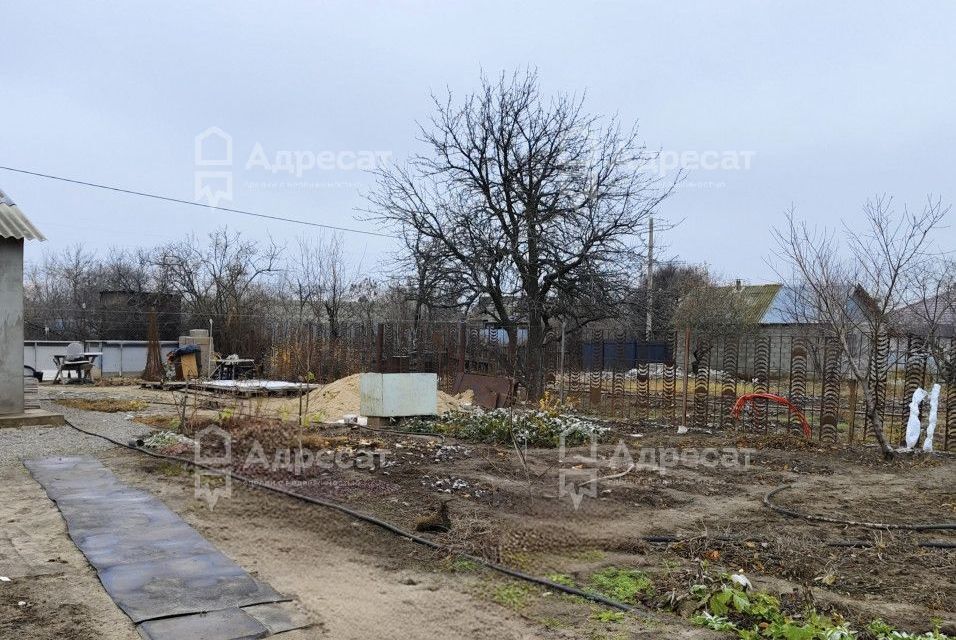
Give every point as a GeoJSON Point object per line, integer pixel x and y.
{"type": "Point", "coordinates": [933, 317]}
{"type": "Point", "coordinates": [939, 310]}
{"type": "Point", "coordinates": [124, 315]}
{"type": "Point", "coordinates": [772, 316]}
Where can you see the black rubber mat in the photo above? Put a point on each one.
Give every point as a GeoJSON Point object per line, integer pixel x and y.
{"type": "Point", "coordinates": [151, 563]}
{"type": "Point", "coordinates": [228, 624]}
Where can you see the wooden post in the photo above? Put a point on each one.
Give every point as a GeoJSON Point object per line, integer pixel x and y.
{"type": "Point", "coordinates": [852, 426]}
{"type": "Point", "coordinates": [380, 348]}
{"type": "Point", "coordinates": [648, 328]}
{"type": "Point", "coordinates": [686, 372]}
{"type": "Point", "coordinates": [561, 367]}
{"type": "Point", "coordinates": [462, 346]}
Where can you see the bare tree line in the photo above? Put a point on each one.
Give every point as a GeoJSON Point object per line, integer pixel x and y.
{"type": "Point", "coordinates": [244, 285]}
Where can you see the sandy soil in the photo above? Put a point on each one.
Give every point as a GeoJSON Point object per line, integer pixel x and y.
{"type": "Point", "coordinates": [60, 594]}
{"type": "Point", "coordinates": [507, 513]}
{"type": "Point", "coordinates": [353, 582]}
{"type": "Point", "coordinates": [353, 579]}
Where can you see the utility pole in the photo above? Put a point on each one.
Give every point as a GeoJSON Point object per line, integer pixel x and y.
{"type": "Point", "coordinates": [650, 279]}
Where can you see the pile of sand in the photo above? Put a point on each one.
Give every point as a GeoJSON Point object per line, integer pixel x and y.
{"type": "Point", "coordinates": [341, 398]}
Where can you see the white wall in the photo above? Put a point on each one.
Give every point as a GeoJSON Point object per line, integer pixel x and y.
{"type": "Point", "coordinates": [120, 357]}
{"type": "Point", "coordinates": [11, 325]}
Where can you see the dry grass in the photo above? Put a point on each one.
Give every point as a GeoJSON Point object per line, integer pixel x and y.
{"type": "Point", "coordinates": [159, 420]}
{"type": "Point", "coordinates": [106, 405]}
{"type": "Point", "coordinates": [317, 442]}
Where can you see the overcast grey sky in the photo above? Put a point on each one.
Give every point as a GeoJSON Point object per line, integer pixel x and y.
{"type": "Point", "coordinates": [819, 104]}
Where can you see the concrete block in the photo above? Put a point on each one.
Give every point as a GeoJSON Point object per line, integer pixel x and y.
{"type": "Point", "coordinates": [199, 333]}
{"type": "Point", "coordinates": [394, 395]}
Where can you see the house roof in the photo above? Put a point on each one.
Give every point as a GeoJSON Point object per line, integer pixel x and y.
{"type": "Point", "coordinates": [940, 309]}
{"type": "Point", "coordinates": [759, 302]}
{"type": "Point", "coordinates": [13, 222]}
{"type": "Point", "coordinates": [784, 304]}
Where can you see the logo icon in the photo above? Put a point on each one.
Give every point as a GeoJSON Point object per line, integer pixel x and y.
{"type": "Point", "coordinates": [213, 148]}
{"type": "Point", "coordinates": [577, 475]}
{"type": "Point", "coordinates": [213, 449]}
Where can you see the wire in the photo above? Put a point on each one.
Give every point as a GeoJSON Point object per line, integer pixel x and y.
{"type": "Point", "coordinates": [196, 204]}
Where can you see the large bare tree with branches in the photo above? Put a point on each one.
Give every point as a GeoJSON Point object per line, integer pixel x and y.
{"type": "Point", "coordinates": [854, 289]}
{"type": "Point", "coordinates": [528, 202]}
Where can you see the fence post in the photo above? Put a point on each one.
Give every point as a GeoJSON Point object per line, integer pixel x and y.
{"type": "Point", "coordinates": [380, 348]}
{"type": "Point", "coordinates": [851, 429]}
{"type": "Point", "coordinates": [462, 346]}
{"type": "Point", "coordinates": [561, 367]}
{"type": "Point", "coordinates": [683, 419]}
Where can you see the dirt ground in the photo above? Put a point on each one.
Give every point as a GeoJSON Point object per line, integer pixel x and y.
{"type": "Point", "coordinates": [353, 579]}
{"type": "Point", "coordinates": [514, 514]}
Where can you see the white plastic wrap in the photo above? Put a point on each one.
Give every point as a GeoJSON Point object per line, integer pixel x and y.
{"type": "Point", "coordinates": [913, 424]}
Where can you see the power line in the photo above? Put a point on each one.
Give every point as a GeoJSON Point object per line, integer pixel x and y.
{"type": "Point", "coordinates": [195, 204]}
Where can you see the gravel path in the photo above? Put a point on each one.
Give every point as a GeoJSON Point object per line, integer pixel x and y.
{"type": "Point", "coordinates": [36, 442]}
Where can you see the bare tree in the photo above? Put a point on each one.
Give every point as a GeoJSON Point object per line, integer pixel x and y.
{"type": "Point", "coordinates": [851, 289]}
{"type": "Point", "coordinates": [319, 280]}
{"type": "Point", "coordinates": [224, 279]}
{"type": "Point", "coordinates": [527, 202]}
{"type": "Point", "coordinates": [62, 291]}
{"type": "Point", "coordinates": [709, 310]}
{"type": "Point", "coordinates": [130, 270]}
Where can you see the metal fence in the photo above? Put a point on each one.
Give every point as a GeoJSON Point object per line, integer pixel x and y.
{"type": "Point", "coordinates": [696, 381]}
{"type": "Point", "coordinates": [683, 379]}
{"type": "Point", "coordinates": [700, 386]}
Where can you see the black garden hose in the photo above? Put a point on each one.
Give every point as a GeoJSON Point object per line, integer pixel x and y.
{"type": "Point", "coordinates": [588, 595]}
{"type": "Point", "coordinates": [852, 523]}
{"type": "Point", "coordinates": [358, 515]}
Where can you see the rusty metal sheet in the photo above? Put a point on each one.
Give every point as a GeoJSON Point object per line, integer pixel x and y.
{"type": "Point", "coordinates": [491, 392]}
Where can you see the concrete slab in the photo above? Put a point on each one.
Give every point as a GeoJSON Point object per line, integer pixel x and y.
{"type": "Point", "coordinates": [31, 418]}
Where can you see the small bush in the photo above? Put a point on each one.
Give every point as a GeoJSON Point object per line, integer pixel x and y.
{"type": "Point", "coordinates": [753, 615]}
{"type": "Point", "coordinates": [624, 585]}
{"type": "Point", "coordinates": [512, 595]}
{"type": "Point", "coordinates": [505, 426]}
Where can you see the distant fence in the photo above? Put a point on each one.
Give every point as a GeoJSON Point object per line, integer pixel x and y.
{"type": "Point", "coordinates": [120, 357]}
{"type": "Point", "coordinates": [703, 381]}
{"type": "Point", "coordinates": [683, 380]}
{"type": "Point", "coordinates": [680, 380]}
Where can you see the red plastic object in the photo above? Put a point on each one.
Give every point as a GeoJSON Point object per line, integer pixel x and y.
{"type": "Point", "coordinates": [750, 397]}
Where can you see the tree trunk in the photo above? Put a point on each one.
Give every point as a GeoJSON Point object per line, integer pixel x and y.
{"type": "Point", "coordinates": [877, 421]}
{"type": "Point", "coordinates": [534, 360]}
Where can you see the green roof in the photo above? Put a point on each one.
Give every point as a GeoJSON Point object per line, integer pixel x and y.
{"type": "Point", "coordinates": [756, 300]}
